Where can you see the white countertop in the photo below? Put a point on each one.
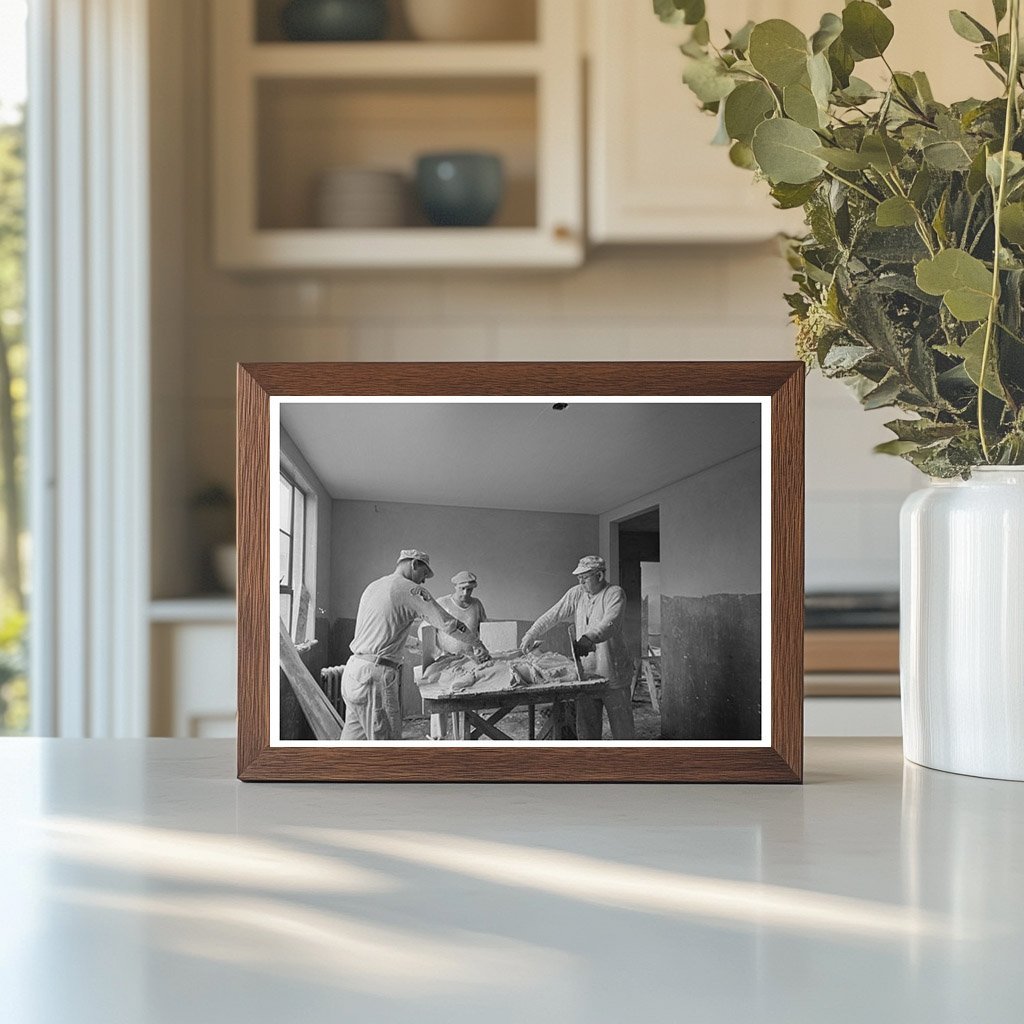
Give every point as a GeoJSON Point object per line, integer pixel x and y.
{"type": "Point", "coordinates": [143, 884]}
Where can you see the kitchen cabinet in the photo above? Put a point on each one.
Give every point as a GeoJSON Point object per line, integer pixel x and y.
{"type": "Point", "coordinates": [653, 175]}
{"type": "Point", "coordinates": [287, 113]}
{"type": "Point", "coordinates": [192, 654]}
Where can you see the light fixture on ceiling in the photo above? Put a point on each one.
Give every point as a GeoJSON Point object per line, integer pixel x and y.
{"type": "Point", "coordinates": [560, 406]}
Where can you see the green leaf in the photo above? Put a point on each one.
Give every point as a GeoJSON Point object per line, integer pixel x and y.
{"type": "Point", "coordinates": [971, 352]}
{"type": "Point", "coordinates": [947, 156]}
{"type": "Point", "coordinates": [789, 197]}
{"type": "Point", "coordinates": [742, 155]}
{"type": "Point", "coordinates": [896, 212]}
{"type": "Point", "coordinates": [1012, 223]}
{"type": "Point", "coordinates": [1014, 169]}
{"type": "Point", "coordinates": [883, 153]}
{"type": "Point", "coordinates": [858, 91]}
{"type": "Point", "coordinates": [963, 281]}
{"type": "Point", "coordinates": [800, 105]}
{"type": "Point", "coordinates": [676, 12]}
{"type": "Point", "coordinates": [866, 29]}
{"type": "Point", "coordinates": [701, 33]}
{"type": "Point", "coordinates": [830, 29]}
{"type": "Point", "coordinates": [745, 108]}
{"type": "Point", "coordinates": [976, 174]}
{"type": "Point", "coordinates": [844, 159]}
{"type": "Point", "coordinates": [968, 28]}
{"type": "Point", "coordinates": [924, 88]}
{"type": "Point", "coordinates": [721, 136]}
{"type": "Point", "coordinates": [841, 60]}
{"type": "Point", "coordinates": [778, 50]}
{"type": "Point", "coordinates": [785, 152]}
{"type": "Point", "coordinates": [708, 80]}
{"type": "Point", "coordinates": [921, 186]}
{"type": "Point", "coordinates": [820, 76]}
{"type": "Point", "coordinates": [939, 220]}
{"type": "Point", "coordinates": [923, 431]}
{"type": "Point", "coordinates": [999, 7]}
{"type": "Point", "coordinates": [739, 41]}
{"type": "Point", "coordinates": [885, 394]}
{"type": "Point", "coordinates": [895, 447]}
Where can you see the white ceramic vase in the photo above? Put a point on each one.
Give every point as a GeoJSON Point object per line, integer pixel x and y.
{"type": "Point", "coordinates": [962, 624]}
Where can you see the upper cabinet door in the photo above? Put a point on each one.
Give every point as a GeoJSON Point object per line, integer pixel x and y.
{"type": "Point", "coordinates": [654, 175]}
{"type": "Point", "coordinates": [301, 132]}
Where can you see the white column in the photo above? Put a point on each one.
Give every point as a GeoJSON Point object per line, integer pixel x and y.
{"type": "Point", "coordinates": [88, 320]}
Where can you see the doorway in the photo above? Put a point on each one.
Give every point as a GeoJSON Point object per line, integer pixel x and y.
{"type": "Point", "coordinates": [640, 577]}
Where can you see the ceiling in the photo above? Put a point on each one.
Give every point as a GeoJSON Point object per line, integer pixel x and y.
{"type": "Point", "coordinates": [588, 458]}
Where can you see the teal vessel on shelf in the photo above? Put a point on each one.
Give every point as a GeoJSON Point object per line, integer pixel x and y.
{"type": "Point", "coordinates": [334, 21]}
{"type": "Point", "coordinates": [461, 190]}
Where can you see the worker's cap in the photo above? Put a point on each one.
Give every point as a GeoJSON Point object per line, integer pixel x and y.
{"type": "Point", "coordinates": [589, 563]}
{"type": "Point", "coordinates": [463, 577]}
{"type": "Point", "coordinates": [411, 554]}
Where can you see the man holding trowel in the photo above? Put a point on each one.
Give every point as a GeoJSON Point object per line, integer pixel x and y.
{"type": "Point", "coordinates": [596, 607]}
{"type": "Point", "coordinates": [388, 609]}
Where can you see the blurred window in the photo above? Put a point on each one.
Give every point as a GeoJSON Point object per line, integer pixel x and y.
{"type": "Point", "coordinates": [14, 538]}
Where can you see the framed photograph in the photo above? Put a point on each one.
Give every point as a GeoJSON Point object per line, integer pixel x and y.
{"type": "Point", "coordinates": [514, 572]}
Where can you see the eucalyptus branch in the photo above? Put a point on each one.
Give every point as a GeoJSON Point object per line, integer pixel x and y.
{"type": "Point", "coordinates": [1000, 198]}
{"type": "Point", "coordinates": [981, 231]}
{"type": "Point", "coordinates": [853, 185]}
{"type": "Point", "coordinates": [923, 227]}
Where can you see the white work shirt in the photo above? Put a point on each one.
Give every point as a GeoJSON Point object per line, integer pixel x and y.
{"type": "Point", "coordinates": [389, 608]}
{"type": "Point", "coordinates": [598, 617]}
{"type": "Point", "coordinates": [471, 616]}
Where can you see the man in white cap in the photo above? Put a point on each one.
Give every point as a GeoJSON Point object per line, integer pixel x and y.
{"type": "Point", "coordinates": [596, 607]}
{"type": "Point", "coordinates": [387, 611]}
{"type": "Point", "coordinates": [463, 605]}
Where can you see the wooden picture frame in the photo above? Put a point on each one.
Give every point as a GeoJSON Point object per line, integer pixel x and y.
{"type": "Point", "coordinates": [778, 757]}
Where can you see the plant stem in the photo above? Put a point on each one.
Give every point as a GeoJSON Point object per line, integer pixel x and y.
{"type": "Point", "coordinates": [855, 187]}
{"type": "Point", "coordinates": [922, 225]}
{"type": "Point", "coordinates": [993, 309]}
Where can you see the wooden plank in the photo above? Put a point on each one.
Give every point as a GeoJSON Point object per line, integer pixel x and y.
{"type": "Point", "coordinates": [852, 650]}
{"type": "Point", "coordinates": [325, 722]}
{"type": "Point", "coordinates": [481, 725]}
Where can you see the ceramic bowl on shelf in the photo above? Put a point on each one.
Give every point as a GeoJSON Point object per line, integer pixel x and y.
{"type": "Point", "coordinates": [361, 198]}
{"type": "Point", "coordinates": [460, 189]}
{"type": "Point", "coordinates": [470, 20]}
{"type": "Point", "coordinates": [334, 21]}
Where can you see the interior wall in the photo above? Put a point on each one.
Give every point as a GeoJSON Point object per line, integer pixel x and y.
{"type": "Point", "coordinates": [710, 528]}
{"type": "Point", "coordinates": [710, 569]}
{"type": "Point", "coordinates": [524, 560]}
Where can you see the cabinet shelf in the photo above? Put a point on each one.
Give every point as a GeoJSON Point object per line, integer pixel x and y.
{"type": "Point", "coordinates": [286, 114]}
{"type": "Point", "coordinates": [310, 248]}
{"type": "Point", "coordinates": [392, 60]}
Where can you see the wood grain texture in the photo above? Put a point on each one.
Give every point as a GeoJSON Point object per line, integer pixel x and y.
{"type": "Point", "coordinates": [529, 762]}
{"type": "Point", "coordinates": [787, 603]}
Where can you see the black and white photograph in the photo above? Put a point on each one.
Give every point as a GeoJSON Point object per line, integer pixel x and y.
{"type": "Point", "coordinates": [508, 570]}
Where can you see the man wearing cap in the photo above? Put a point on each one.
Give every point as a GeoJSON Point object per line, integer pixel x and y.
{"type": "Point", "coordinates": [461, 603]}
{"type": "Point", "coordinates": [387, 611]}
{"type": "Point", "coordinates": [596, 607]}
